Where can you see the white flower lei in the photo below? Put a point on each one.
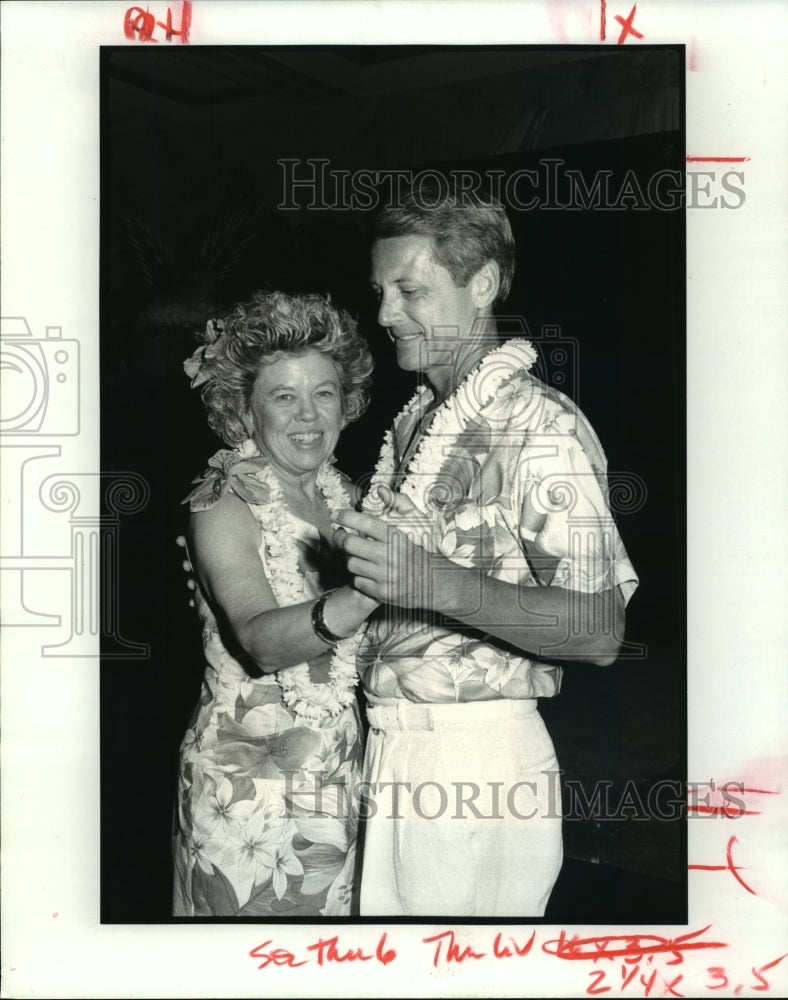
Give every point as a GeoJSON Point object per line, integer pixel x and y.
{"type": "Point", "coordinates": [451, 419]}
{"type": "Point", "coordinates": [313, 702]}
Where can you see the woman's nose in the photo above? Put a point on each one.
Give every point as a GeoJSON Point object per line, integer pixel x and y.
{"type": "Point", "coordinates": [307, 409]}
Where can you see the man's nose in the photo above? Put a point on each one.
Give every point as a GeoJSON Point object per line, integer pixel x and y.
{"type": "Point", "coordinates": [389, 311]}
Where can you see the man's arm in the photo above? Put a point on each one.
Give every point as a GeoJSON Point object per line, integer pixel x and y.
{"type": "Point", "coordinates": [546, 621]}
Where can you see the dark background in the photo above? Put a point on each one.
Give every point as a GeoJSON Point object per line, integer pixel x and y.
{"type": "Point", "coordinates": [190, 224]}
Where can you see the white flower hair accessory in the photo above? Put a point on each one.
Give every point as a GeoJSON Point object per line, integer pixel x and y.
{"type": "Point", "coordinates": [198, 366]}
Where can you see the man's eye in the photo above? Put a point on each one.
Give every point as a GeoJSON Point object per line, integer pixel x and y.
{"type": "Point", "coordinates": [283, 397]}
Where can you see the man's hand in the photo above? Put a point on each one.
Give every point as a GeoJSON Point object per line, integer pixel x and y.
{"type": "Point", "coordinates": [389, 555]}
{"type": "Point", "coordinates": [543, 621]}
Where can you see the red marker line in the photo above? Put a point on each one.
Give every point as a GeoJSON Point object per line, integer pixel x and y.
{"type": "Point", "coordinates": [717, 159]}
{"type": "Point", "coordinates": [726, 810]}
{"type": "Point", "coordinates": [733, 868]}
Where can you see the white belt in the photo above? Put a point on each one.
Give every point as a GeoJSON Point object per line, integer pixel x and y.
{"type": "Point", "coordinates": [403, 714]}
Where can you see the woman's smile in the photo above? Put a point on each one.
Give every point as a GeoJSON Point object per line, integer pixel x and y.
{"type": "Point", "coordinates": [306, 439]}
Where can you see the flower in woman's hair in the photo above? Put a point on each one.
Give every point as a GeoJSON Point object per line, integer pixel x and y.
{"type": "Point", "coordinates": [214, 330]}
{"type": "Point", "coordinates": [198, 366]}
{"type": "Point", "coordinates": [193, 367]}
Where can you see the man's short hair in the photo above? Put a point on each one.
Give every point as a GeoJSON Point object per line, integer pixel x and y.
{"type": "Point", "coordinates": [468, 228]}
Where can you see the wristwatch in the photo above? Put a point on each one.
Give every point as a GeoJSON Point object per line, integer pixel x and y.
{"type": "Point", "coordinates": [322, 631]}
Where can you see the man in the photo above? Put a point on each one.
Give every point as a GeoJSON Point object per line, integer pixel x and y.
{"type": "Point", "coordinates": [488, 537]}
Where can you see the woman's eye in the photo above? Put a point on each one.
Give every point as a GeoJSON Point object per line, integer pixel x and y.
{"type": "Point", "coordinates": [284, 397]}
{"type": "Point", "coordinates": [327, 393]}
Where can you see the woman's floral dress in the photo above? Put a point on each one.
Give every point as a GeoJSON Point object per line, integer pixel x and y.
{"type": "Point", "coordinates": [264, 819]}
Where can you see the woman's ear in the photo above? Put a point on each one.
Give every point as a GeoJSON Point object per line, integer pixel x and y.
{"type": "Point", "coordinates": [486, 283]}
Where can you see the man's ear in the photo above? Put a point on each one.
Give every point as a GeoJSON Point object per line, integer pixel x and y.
{"type": "Point", "coordinates": [485, 284]}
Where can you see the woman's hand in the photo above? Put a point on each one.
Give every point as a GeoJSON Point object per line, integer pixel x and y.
{"type": "Point", "coordinates": [391, 556]}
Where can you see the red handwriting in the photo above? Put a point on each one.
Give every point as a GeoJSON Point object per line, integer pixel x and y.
{"type": "Point", "coordinates": [630, 946]}
{"type": "Point", "coordinates": [763, 984]}
{"type": "Point", "coordinates": [632, 967]}
{"type": "Point", "coordinates": [729, 866]}
{"type": "Point", "coordinates": [732, 806]}
{"type": "Point", "coordinates": [453, 952]}
{"type": "Point", "coordinates": [626, 24]}
{"type": "Point", "coordinates": [140, 25]}
{"type": "Point", "coordinates": [719, 979]}
{"type": "Point", "coordinates": [327, 950]}
{"type": "Point", "coordinates": [277, 956]}
{"type": "Point", "coordinates": [597, 977]}
{"type": "Point", "coordinates": [503, 951]}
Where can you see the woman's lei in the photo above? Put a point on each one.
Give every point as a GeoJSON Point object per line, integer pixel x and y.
{"type": "Point", "coordinates": [260, 488]}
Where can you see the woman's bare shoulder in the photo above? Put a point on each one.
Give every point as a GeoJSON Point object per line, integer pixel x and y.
{"type": "Point", "coordinates": [226, 524]}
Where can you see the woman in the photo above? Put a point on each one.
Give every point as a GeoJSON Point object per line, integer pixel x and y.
{"type": "Point", "coordinates": [265, 822]}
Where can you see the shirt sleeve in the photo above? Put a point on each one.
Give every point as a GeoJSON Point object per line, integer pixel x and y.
{"type": "Point", "coordinates": [566, 524]}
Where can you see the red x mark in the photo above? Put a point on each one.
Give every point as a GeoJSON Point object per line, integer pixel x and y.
{"type": "Point", "coordinates": [626, 26]}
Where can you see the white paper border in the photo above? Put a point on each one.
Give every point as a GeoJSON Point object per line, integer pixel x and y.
{"type": "Point", "coordinates": [53, 944]}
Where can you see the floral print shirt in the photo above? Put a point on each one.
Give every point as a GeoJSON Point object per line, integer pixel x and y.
{"type": "Point", "coordinates": [521, 495]}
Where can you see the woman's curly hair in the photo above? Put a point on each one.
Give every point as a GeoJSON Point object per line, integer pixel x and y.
{"type": "Point", "coordinates": [267, 328]}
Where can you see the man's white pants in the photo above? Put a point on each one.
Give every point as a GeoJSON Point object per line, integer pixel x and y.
{"type": "Point", "coordinates": [463, 808]}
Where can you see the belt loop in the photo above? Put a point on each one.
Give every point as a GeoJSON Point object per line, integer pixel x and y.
{"type": "Point", "coordinates": [410, 716]}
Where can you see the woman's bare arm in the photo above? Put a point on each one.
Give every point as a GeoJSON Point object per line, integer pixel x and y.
{"type": "Point", "coordinates": [223, 547]}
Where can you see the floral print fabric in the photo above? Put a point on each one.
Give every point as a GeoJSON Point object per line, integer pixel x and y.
{"type": "Point", "coordinates": [520, 492]}
{"type": "Point", "coordinates": [264, 822]}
